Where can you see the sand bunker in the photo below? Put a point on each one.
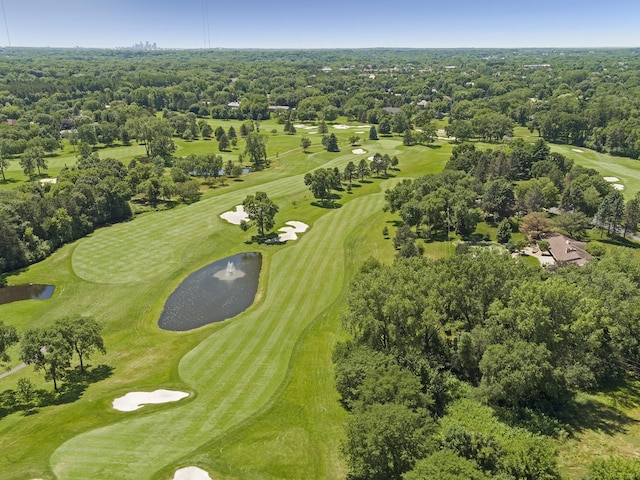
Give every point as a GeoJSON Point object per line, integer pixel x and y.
{"type": "Point", "coordinates": [577, 150]}
{"type": "Point", "coordinates": [236, 217]}
{"type": "Point", "coordinates": [48, 180]}
{"type": "Point", "coordinates": [360, 131]}
{"type": "Point", "coordinates": [298, 125]}
{"type": "Point", "coordinates": [617, 186]}
{"type": "Point", "coordinates": [135, 400]}
{"type": "Point", "coordinates": [358, 151]}
{"type": "Point", "coordinates": [191, 473]}
{"type": "Point", "coordinates": [341, 127]}
{"type": "Point", "coordinates": [611, 179]}
{"type": "Point", "coordinates": [370, 158]}
{"type": "Point", "coordinates": [289, 233]}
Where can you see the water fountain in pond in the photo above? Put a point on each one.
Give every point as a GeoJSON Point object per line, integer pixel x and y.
{"type": "Point", "coordinates": [230, 273]}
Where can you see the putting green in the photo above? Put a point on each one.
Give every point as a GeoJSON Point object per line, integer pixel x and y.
{"type": "Point", "coordinates": [234, 372]}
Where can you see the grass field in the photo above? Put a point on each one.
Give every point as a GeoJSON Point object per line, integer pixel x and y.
{"type": "Point", "coordinates": [240, 372]}
{"type": "Point", "coordinates": [262, 402]}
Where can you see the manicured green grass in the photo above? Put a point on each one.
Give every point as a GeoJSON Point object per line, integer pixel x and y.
{"type": "Point", "coordinates": [624, 168]}
{"type": "Point", "coordinates": [263, 403]}
{"type": "Point", "coordinates": [243, 373]}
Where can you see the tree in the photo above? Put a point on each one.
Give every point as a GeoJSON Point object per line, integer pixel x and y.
{"type": "Point", "coordinates": [384, 127]}
{"type": "Point", "coordinates": [504, 231]}
{"type": "Point", "coordinates": [261, 211]}
{"type": "Point", "coordinates": [305, 143]}
{"type": "Point", "coordinates": [534, 224]}
{"type": "Point", "coordinates": [363, 169]}
{"type": "Point", "coordinates": [256, 150]}
{"type": "Point", "coordinates": [219, 132]}
{"type": "Point", "coordinates": [332, 143]}
{"type": "Point", "coordinates": [322, 128]}
{"type": "Point", "coordinates": [83, 336]}
{"type": "Point", "coordinates": [4, 158]}
{"type": "Point", "coordinates": [321, 182]}
{"type": "Point", "coordinates": [349, 172]}
{"type": "Point", "coordinates": [223, 142]}
{"type": "Point", "coordinates": [631, 215]}
{"type": "Point", "coordinates": [407, 139]}
{"type": "Point", "coordinates": [498, 198]}
{"type": "Point", "coordinates": [385, 441]}
{"type": "Point", "coordinates": [575, 223]}
{"type": "Point", "coordinates": [32, 158]}
{"type": "Point", "coordinates": [47, 350]}
{"type": "Point", "coordinates": [154, 133]}
{"type": "Point", "coordinates": [610, 212]}
{"type": "Point", "coordinates": [373, 133]}
{"type": "Point", "coordinates": [206, 130]}
{"type": "Point", "coordinates": [520, 374]}
{"type": "Point", "coordinates": [446, 465]}
{"type": "Point", "coordinates": [354, 140]}
{"type": "Point", "coordinates": [8, 337]}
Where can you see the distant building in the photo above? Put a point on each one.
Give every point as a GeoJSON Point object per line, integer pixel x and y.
{"type": "Point", "coordinates": [277, 108]}
{"type": "Point", "coordinates": [233, 105]}
{"type": "Point", "coordinates": [391, 110]}
{"type": "Point", "coordinates": [12, 122]}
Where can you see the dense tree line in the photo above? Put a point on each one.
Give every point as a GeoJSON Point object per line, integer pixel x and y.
{"type": "Point", "coordinates": [426, 334]}
{"type": "Point", "coordinates": [36, 219]}
{"type": "Point", "coordinates": [571, 96]}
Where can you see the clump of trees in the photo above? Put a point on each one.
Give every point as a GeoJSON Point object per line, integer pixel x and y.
{"type": "Point", "coordinates": [261, 211]}
{"type": "Point", "coordinates": [425, 333]}
{"type": "Point", "coordinates": [37, 219]}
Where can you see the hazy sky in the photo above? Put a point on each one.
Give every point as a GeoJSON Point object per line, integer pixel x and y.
{"type": "Point", "coordinates": [321, 23]}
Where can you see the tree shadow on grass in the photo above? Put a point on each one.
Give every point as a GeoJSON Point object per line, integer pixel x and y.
{"type": "Point", "coordinates": [68, 392]}
{"type": "Point", "coordinates": [77, 382]}
{"type": "Point", "coordinates": [329, 205]}
{"type": "Point", "coordinates": [573, 417]}
{"type": "Point", "coordinates": [619, 241]}
{"type": "Point", "coordinates": [593, 415]}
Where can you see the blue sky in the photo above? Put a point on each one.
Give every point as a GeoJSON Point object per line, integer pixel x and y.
{"type": "Point", "coordinates": [321, 23]}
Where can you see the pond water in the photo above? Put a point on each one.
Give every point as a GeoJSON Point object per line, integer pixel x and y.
{"type": "Point", "coordinates": [25, 292]}
{"type": "Point", "coordinates": [214, 293]}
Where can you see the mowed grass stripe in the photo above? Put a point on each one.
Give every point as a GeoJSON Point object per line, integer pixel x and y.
{"type": "Point", "coordinates": [152, 245]}
{"type": "Point", "coordinates": [247, 372]}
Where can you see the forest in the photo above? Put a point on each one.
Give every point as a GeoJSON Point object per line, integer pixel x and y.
{"type": "Point", "coordinates": [458, 363]}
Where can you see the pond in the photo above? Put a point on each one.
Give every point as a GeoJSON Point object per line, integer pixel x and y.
{"type": "Point", "coordinates": [214, 293]}
{"type": "Point", "coordinates": [25, 292]}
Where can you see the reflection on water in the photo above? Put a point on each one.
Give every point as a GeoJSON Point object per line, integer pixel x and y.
{"type": "Point", "coordinates": [214, 293]}
{"type": "Point", "coordinates": [25, 292]}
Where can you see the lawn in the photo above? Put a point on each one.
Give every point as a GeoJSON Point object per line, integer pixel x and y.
{"type": "Point", "coordinates": [244, 373]}
{"type": "Point", "coordinates": [262, 401]}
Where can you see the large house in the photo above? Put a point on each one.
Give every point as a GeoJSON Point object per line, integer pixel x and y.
{"type": "Point", "coordinates": [568, 250]}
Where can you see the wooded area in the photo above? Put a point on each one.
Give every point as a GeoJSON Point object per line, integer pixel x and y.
{"type": "Point", "coordinates": [468, 366]}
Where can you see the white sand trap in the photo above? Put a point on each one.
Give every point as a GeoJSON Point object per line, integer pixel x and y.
{"type": "Point", "coordinates": [617, 186]}
{"type": "Point", "coordinates": [135, 400]}
{"type": "Point", "coordinates": [191, 473]}
{"type": "Point", "coordinates": [370, 158]}
{"type": "Point", "coordinates": [577, 150]}
{"type": "Point", "coordinates": [299, 125]}
{"type": "Point", "coordinates": [341, 127]}
{"type": "Point", "coordinates": [235, 217]}
{"type": "Point", "coordinates": [358, 151]}
{"type": "Point", "coordinates": [312, 133]}
{"type": "Point", "coordinates": [289, 233]}
{"type": "Point", "coordinates": [48, 180]}
{"type": "Point", "coordinates": [611, 179]}
{"type": "Point", "coordinates": [360, 131]}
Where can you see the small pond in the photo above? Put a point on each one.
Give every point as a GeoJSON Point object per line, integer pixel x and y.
{"type": "Point", "coordinates": [214, 293]}
{"type": "Point", "coordinates": [25, 292]}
